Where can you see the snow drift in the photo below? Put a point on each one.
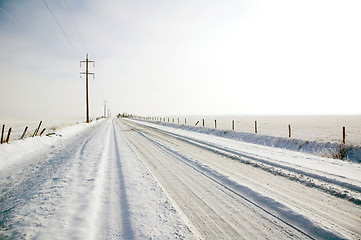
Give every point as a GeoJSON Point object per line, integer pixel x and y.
{"type": "Point", "coordinates": [324, 149]}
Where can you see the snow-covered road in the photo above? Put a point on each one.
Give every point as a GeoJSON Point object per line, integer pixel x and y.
{"type": "Point", "coordinates": [134, 180]}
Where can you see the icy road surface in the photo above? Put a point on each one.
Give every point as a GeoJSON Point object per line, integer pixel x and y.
{"type": "Point", "coordinates": [120, 179]}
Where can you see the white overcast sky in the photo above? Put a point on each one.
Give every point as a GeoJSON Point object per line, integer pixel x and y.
{"type": "Point", "coordinates": [168, 57]}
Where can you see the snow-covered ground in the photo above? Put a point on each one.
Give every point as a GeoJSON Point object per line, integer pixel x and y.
{"type": "Point", "coordinates": [324, 128]}
{"type": "Point", "coordinates": [322, 147]}
{"type": "Point", "coordinates": [85, 185]}
{"type": "Point", "coordinates": [124, 179]}
{"type": "Point", "coordinates": [18, 126]}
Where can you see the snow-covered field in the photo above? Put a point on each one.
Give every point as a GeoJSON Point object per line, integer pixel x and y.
{"type": "Point", "coordinates": [127, 179]}
{"type": "Point", "coordinates": [324, 141]}
{"type": "Point", "coordinates": [325, 128]}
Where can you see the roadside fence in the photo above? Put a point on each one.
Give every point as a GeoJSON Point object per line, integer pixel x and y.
{"type": "Point", "coordinates": [232, 123]}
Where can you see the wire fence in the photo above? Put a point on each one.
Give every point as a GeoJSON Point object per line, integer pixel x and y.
{"type": "Point", "coordinates": [345, 128]}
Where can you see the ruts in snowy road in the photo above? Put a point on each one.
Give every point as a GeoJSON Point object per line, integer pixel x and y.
{"type": "Point", "coordinates": [92, 186]}
{"type": "Point", "coordinates": [121, 179]}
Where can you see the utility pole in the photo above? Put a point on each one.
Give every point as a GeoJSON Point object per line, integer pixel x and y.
{"type": "Point", "coordinates": [105, 108]}
{"type": "Point", "coordinates": [87, 84]}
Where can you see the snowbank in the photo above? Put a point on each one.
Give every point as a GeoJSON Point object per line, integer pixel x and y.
{"type": "Point", "coordinates": [324, 149]}
{"type": "Point", "coordinates": [15, 151]}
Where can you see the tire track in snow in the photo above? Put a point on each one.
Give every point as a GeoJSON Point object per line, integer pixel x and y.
{"type": "Point", "coordinates": [161, 203]}
{"type": "Point", "coordinates": [115, 206]}
{"type": "Point", "coordinates": [87, 176]}
{"type": "Point", "coordinates": [260, 162]}
{"type": "Point", "coordinates": [64, 196]}
{"type": "Point", "coordinates": [182, 196]}
{"type": "Point", "coordinates": [334, 213]}
{"type": "Point", "coordinates": [194, 196]}
{"type": "Point", "coordinates": [268, 205]}
{"type": "Point", "coordinates": [27, 186]}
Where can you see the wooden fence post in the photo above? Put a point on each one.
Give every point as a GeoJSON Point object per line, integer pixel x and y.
{"type": "Point", "coordinates": [178, 120]}
{"type": "Point", "coordinates": [215, 123]}
{"type": "Point", "coordinates": [232, 125]}
{"type": "Point", "coordinates": [2, 134]}
{"type": "Point", "coordinates": [8, 138]}
{"type": "Point", "coordinates": [289, 130]}
{"type": "Point", "coordinates": [42, 132]}
{"type": "Point", "coordinates": [37, 130]}
{"type": "Point", "coordinates": [185, 121]}
{"type": "Point", "coordinates": [22, 136]}
{"type": "Point", "coordinates": [203, 122]}
{"type": "Point", "coordinates": [343, 135]}
{"type": "Point", "coordinates": [255, 126]}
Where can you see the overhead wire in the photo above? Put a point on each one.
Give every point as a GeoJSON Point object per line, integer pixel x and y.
{"type": "Point", "coordinates": [26, 31]}
{"type": "Point", "coordinates": [75, 25]}
{"type": "Point", "coordinates": [66, 36]}
{"type": "Point", "coordinates": [16, 22]}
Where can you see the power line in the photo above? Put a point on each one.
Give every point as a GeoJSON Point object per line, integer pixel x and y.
{"type": "Point", "coordinates": [16, 22]}
{"type": "Point", "coordinates": [66, 36]}
{"type": "Point", "coordinates": [76, 27]}
{"type": "Point", "coordinates": [27, 32]}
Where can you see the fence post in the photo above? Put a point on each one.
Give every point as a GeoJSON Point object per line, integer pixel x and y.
{"type": "Point", "coordinates": [343, 135]}
{"type": "Point", "coordinates": [215, 123]}
{"type": "Point", "coordinates": [2, 134]}
{"type": "Point", "coordinates": [37, 130]}
{"type": "Point", "coordinates": [178, 120]}
{"type": "Point", "coordinates": [255, 126]}
{"type": "Point", "coordinates": [232, 125]}
{"type": "Point", "coordinates": [289, 130]}
{"type": "Point", "coordinates": [203, 122]}
{"type": "Point", "coordinates": [22, 136]}
{"type": "Point", "coordinates": [8, 138]}
{"type": "Point", "coordinates": [185, 121]}
{"type": "Point", "coordinates": [42, 132]}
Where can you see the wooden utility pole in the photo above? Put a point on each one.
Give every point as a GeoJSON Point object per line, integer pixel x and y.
{"type": "Point", "coordinates": [2, 134]}
{"type": "Point", "coordinates": [289, 130]}
{"type": "Point", "coordinates": [86, 84]}
{"type": "Point", "coordinates": [105, 109]}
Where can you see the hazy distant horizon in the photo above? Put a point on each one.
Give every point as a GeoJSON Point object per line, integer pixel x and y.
{"type": "Point", "coordinates": [81, 118]}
